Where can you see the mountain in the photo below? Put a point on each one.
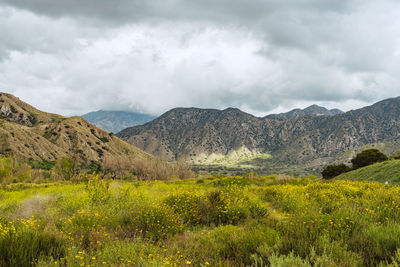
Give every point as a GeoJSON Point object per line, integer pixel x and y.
{"type": "Point", "coordinates": [209, 137]}
{"type": "Point", "coordinates": [32, 134]}
{"type": "Point", "coordinates": [115, 121]}
{"type": "Point", "coordinates": [311, 110]}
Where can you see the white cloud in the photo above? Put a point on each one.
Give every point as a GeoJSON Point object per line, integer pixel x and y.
{"type": "Point", "coordinates": [262, 56]}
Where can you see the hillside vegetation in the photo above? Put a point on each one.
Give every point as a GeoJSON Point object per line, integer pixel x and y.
{"type": "Point", "coordinates": [387, 171]}
{"type": "Point", "coordinates": [227, 221]}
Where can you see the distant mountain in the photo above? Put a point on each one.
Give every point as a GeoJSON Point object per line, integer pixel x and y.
{"type": "Point", "coordinates": [115, 121]}
{"type": "Point", "coordinates": [29, 133]}
{"type": "Point", "coordinates": [311, 110]}
{"type": "Point", "coordinates": [306, 144]}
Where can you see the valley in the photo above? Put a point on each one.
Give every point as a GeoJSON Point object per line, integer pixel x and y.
{"type": "Point", "coordinates": [75, 195]}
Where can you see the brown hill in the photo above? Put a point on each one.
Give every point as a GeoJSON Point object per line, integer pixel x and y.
{"type": "Point", "coordinates": [32, 134]}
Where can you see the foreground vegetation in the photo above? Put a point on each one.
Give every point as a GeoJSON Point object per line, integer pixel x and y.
{"type": "Point", "coordinates": [224, 221]}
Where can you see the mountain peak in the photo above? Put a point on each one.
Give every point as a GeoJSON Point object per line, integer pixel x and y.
{"type": "Point", "coordinates": [310, 110]}
{"type": "Point", "coordinates": [13, 109]}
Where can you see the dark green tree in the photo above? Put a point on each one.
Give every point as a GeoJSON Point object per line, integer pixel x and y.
{"type": "Point", "coordinates": [332, 171]}
{"type": "Point", "coordinates": [397, 156]}
{"type": "Point", "coordinates": [368, 157]}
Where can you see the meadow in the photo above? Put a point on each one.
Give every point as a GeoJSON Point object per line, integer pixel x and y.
{"type": "Point", "coordinates": [214, 221]}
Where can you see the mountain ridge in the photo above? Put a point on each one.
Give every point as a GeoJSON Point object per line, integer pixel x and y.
{"type": "Point", "coordinates": [310, 140]}
{"type": "Point", "coordinates": [115, 120]}
{"type": "Point", "coordinates": [310, 110]}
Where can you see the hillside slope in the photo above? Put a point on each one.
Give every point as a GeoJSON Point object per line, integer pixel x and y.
{"type": "Point", "coordinates": [309, 142]}
{"type": "Point", "coordinates": [32, 134]}
{"type": "Point", "coordinates": [383, 171]}
{"type": "Point", "coordinates": [115, 121]}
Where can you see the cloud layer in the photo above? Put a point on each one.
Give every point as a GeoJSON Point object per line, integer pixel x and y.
{"type": "Point", "coordinates": [76, 56]}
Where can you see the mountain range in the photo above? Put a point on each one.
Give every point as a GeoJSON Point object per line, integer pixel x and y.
{"type": "Point", "coordinates": [115, 121]}
{"type": "Point", "coordinates": [293, 143]}
{"type": "Point", "coordinates": [29, 133]}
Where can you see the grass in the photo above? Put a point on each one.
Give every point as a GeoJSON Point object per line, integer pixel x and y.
{"type": "Point", "coordinates": [384, 171]}
{"type": "Point", "coordinates": [226, 221]}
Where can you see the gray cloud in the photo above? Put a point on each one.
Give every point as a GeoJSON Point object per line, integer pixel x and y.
{"type": "Point", "coordinates": [75, 56]}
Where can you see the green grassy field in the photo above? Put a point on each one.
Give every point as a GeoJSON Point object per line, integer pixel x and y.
{"type": "Point", "coordinates": [228, 221]}
{"type": "Point", "coordinates": [387, 171]}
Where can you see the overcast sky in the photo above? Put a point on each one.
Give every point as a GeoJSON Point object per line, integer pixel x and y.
{"type": "Point", "coordinates": [75, 56]}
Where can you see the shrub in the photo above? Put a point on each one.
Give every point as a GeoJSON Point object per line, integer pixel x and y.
{"type": "Point", "coordinates": [368, 157]}
{"type": "Point", "coordinates": [42, 165]}
{"type": "Point", "coordinates": [228, 206]}
{"type": "Point", "coordinates": [333, 253]}
{"type": "Point", "coordinates": [225, 207]}
{"type": "Point", "coordinates": [288, 261]}
{"type": "Point", "coordinates": [66, 168]}
{"type": "Point", "coordinates": [98, 190]}
{"type": "Point", "coordinates": [82, 225]}
{"type": "Point", "coordinates": [332, 171]}
{"type": "Point", "coordinates": [381, 242]}
{"type": "Point", "coordinates": [151, 220]}
{"type": "Point", "coordinates": [188, 206]}
{"type": "Point", "coordinates": [233, 244]}
{"type": "Point", "coordinates": [22, 244]}
{"type": "Point", "coordinates": [397, 156]}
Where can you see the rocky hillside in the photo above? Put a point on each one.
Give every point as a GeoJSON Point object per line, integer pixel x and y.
{"type": "Point", "coordinates": [310, 141]}
{"type": "Point", "coordinates": [32, 134]}
{"type": "Point", "coordinates": [299, 113]}
{"type": "Point", "coordinates": [115, 121]}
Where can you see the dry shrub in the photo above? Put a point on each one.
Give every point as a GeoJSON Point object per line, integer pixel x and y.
{"type": "Point", "coordinates": [284, 178]}
{"type": "Point", "coordinates": [145, 169]}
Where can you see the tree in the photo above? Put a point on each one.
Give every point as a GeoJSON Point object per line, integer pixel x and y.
{"type": "Point", "coordinates": [368, 157]}
{"type": "Point", "coordinates": [397, 156]}
{"type": "Point", "coordinates": [66, 168]}
{"type": "Point", "coordinates": [332, 171]}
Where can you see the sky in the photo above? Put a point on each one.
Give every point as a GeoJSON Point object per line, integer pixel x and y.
{"type": "Point", "coordinates": [262, 56]}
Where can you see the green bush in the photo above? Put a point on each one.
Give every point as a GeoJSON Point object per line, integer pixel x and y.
{"type": "Point", "coordinates": [66, 168]}
{"type": "Point", "coordinates": [381, 242]}
{"type": "Point", "coordinates": [22, 244]}
{"type": "Point", "coordinates": [98, 190]}
{"type": "Point", "coordinates": [288, 261]}
{"type": "Point", "coordinates": [234, 244]}
{"type": "Point", "coordinates": [220, 206]}
{"type": "Point", "coordinates": [6, 167]}
{"type": "Point", "coordinates": [368, 157]}
{"type": "Point", "coordinates": [333, 253]}
{"type": "Point", "coordinates": [332, 171]}
{"type": "Point", "coordinates": [42, 165]}
{"type": "Point", "coordinates": [188, 205]}
{"type": "Point", "coordinates": [82, 225]}
{"type": "Point", "coordinates": [151, 220]}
